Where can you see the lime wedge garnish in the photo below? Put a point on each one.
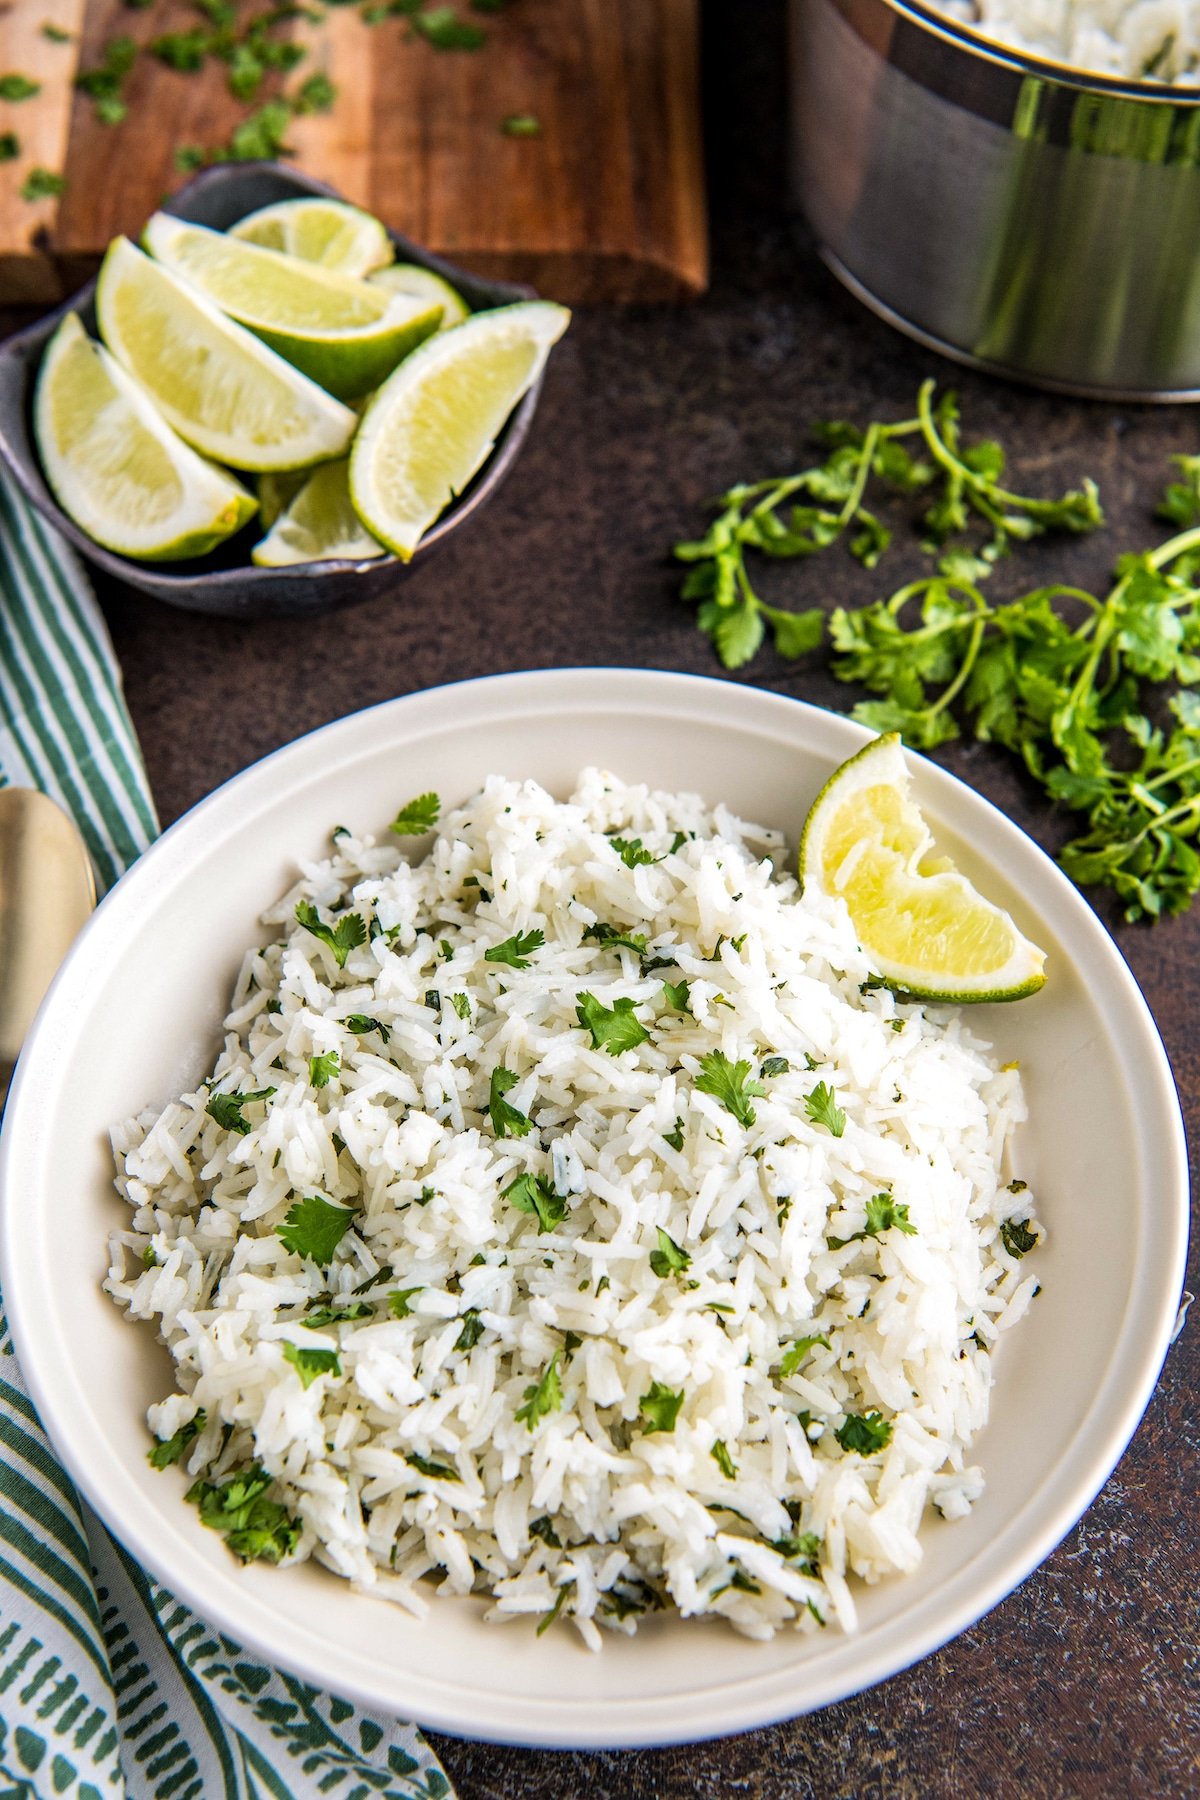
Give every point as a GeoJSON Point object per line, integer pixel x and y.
{"type": "Point", "coordinates": [923, 925]}
{"type": "Point", "coordinates": [320, 525]}
{"type": "Point", "coordinates": [117, 468]}
{"type": "Point", "coordinates": [221, 389]}
{"type": "Point", "coordinates": [424, 284]}
{"type": "Point", "coordinates": [346, 335]}
{"type": "Point", "coordinates": [328, 232]}
{"type": "Point", "coordinates": [435, 421]}
{"type": "Point", "coordinates": [276, 493]}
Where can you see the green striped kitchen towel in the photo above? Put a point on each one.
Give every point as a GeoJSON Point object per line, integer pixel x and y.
{"type": "Point", "coordinates": [108, 1686]}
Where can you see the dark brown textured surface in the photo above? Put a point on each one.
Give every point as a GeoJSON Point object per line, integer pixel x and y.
{"type": "Point", "coordinates": [1084, 1682]}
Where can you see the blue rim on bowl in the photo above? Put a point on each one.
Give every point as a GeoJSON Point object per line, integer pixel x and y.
{"type": "Point", "coordinates": [218, 197]}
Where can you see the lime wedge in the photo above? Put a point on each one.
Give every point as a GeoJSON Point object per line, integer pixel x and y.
{"type": "Point", "coordinates": [221, 389]}
{"type": "Point", "coordinates": [436, 420]}
{"type": "Point", "coordinates": [346, 335]}
{"type": "Point", "coordinates": [276, 493]}
{"type": "Point", "coordinates": [319, 525]}
{"type": "Point", "coordinates": [117, 468]}
{"type": "Point", "coordinates": [328, 232]}
{"type": "Point", "coordinates": [926, 929]}
{"type": "Point", "coordinates": [423, 284]}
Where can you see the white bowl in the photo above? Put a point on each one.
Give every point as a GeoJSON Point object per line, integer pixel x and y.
{"type": "Point", "coordinates": [134, 1017]}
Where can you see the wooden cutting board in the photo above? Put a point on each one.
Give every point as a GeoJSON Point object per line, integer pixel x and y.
{"type": "Point", "coordinates": [605, 203]}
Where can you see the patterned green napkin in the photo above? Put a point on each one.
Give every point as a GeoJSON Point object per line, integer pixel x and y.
{"type": "Point", "coordinates": [109, 1687]}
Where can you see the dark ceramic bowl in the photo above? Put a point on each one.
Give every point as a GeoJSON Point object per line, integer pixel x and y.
{"type": "Point", "coordinates": [226, 582]}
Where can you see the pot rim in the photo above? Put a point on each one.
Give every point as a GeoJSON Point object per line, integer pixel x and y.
{"type": "Point", "coordinates": [976, 47]}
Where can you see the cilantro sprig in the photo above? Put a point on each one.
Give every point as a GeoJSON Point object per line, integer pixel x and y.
{"type": "Point", "coordinates": [803, 514]}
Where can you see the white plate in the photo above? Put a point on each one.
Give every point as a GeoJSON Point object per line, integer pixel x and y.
{"type": "Point", "coordinates": [134, 1017]}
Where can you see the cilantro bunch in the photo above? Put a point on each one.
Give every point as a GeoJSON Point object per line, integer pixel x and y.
{"type": "Point", "coordinates": [1092, 692]}
{"type": "Point", "coordinates": [968, 519]}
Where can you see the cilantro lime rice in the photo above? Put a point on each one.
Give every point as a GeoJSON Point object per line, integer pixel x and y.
{"type": "Point", "coordinates": [1148, 40]}
{"type": "Point", "coordinates": [570, 1219]}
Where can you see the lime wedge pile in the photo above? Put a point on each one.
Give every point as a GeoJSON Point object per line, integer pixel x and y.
{"type": "Point", "coordinates": [925, 928]}
{"type": "Point", "coordinates": [243, 348]}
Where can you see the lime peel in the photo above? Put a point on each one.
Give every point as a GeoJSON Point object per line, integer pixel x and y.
{"type": "Point", "coordinates": [926, 929]}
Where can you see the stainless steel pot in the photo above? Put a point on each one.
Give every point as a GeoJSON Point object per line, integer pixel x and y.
{"type": "Point", "coordinates": [1012, 213]}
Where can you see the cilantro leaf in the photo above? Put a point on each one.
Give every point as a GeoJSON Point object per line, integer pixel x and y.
{"type": "Point", "coordinates": [417, 816]}
{"type": "Point", "coordinates": [322, 1316]}
{"type": "Point", "coordinates": [398, 1301]}
{"type": "Point", "coordinates": [616, 940]}
{"type": "Point", "coordinates": [314, 1228]}
{"type": "Point", "coordinates": [10, 146]}
{"type": "Point", "coordinates": [461, 1004]}
{"type": "Point", "coordinates": [864, 1433]}
{"type": "Point", "coordinates": [18, 87]}
{"type": "Point", "coordinates": [531, 1194]}
{"type": "Point", "coordinates": [632, 852]}
{"type": "Point", "coordinates": [720, 1455]}
{"type": "Point", "coordinates": [506, 1120]}
{"type": "Point", "coordinates": [799, 1349]}
{"type": "Point", "coordinates": [883, 1214]}
{"type": "Point", "coordinates": [541, 1397]}
{"type": "Point", "coordinates": [543, 1528]}
{"type": "Point", "coordinates": [43, 184]}
{"type": "Point", "coordinates": [1017, 1237]}
{"type": "Point", "coordinates": [442, 28]}
{"type": "Point", "coordinates": [661, 1407]}
{"type": "Point", "coordinates": [436, 1471]}
{"type": "Point", "coordinates": [317, 93]}
{"type": "Point", "coordinates": [729, 1083]}
{"type": "Point", "coordinates": [323, 1068]}
{"type": "Point", "coordinates": [308, 1364]}
{"type": "Point", "coordinates": [822, 1108]}
{"type": "Point", "coordinates": [516, 951]}
{"type": "Point", "coordinates": [361, 1024]}
{"type": "Point", "coordinates": [255, 1528]}
{"type": "Point", "coordinates": [169, 1450]}
{"type": "Point", "coordinates": [226, 1109]}
{"type": "Point", "coordinates": [347, 935]}
{"type": "Point", "coordinates": [774, 1065]}
{"type": "Point", "coordinates": [472, 1330]}
{"type": "Point", "coordinates": [800, 1546]}
{"type": "Point", "coordinates": [669, 1258]}
{"type": "Point", "coordinates": [614, 1028]}
{"type": "Point", "coordinates": [674, 1137]}
{"type": "Point", "coordinates": [678, 994]}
